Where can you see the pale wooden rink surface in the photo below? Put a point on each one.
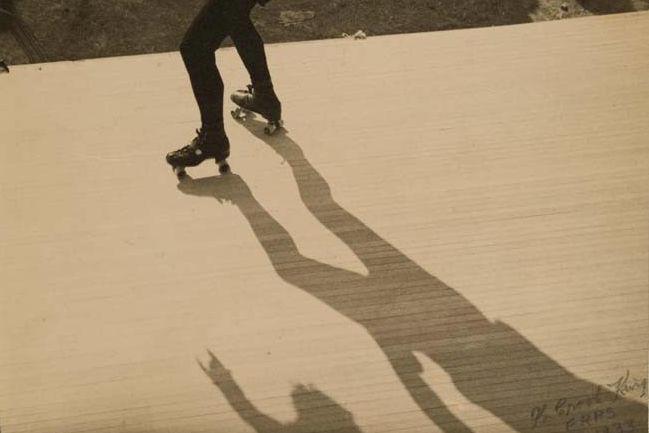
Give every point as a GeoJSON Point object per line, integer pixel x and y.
{"type": "Point", "coordinates": [493, 183]}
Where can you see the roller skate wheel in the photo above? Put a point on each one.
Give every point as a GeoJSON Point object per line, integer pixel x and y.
{"type": "Point", "coordinates": [239, 113]}
{"type": "Point", "coordinates": [272, 127]}
{"type": "Point", "coordinates": [180, 172]}
{"type": "Point", "coordinates": [224, 167]}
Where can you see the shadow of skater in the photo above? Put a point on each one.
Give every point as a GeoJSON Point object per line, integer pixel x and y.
{"type": "Point", "coordinates": [406, 310]}
{"type": "Point", "coordinates": [315, 411]}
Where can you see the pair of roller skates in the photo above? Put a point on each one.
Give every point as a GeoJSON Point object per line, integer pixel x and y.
{"type": "Point", "coordinates": [214, 144]}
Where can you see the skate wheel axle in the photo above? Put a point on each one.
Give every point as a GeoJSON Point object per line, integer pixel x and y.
{"type": "Point", "coordinates": [224, 167]}
{"type": "Point", "coordinates": [179, 172]}
{"type": "Point", "coordinates": [240, 113]}
{"type": "Point", "coordinates": [273, 126]}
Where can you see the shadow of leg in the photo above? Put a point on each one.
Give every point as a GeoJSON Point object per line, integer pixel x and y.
{"type": "Point", "coordinates": [409, 371]}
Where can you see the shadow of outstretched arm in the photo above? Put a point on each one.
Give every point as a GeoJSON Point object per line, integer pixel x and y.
{"type": "Point", "coordinates": [235, 396]}
{"type": "Point", "coordinates": [314, 409]}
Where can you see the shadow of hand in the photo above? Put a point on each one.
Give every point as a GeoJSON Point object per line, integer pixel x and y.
{"type": "Point", "coordinates": [216, 371]}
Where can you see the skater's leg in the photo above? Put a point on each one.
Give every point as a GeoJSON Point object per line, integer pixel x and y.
{"type": "Point", "coordinates": [250, 45]}
{"type": "Point", "coordinates": [203, 37]}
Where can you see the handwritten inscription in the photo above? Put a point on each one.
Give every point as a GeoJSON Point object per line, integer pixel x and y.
{"type": "Point", "coordinates": [577, 413]}
{"type": "Point", "coordinates": [627, 385]}
{"type": "Point", "coordinates": [594, 413]}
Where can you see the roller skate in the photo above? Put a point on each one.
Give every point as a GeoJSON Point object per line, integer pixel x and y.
{"type": "Point", "coordinates": [207, 144]}
{"type": "Point", "coordinates": [261, 100]}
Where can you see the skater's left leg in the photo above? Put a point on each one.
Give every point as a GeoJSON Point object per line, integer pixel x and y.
{"type": "Point", "coordinates": [249, 44]}
{"type": "Point", "coordinates": [205, 35]}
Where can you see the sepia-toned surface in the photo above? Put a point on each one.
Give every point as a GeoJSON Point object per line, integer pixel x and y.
{"type": "Point", "coordinates": [452, 236]}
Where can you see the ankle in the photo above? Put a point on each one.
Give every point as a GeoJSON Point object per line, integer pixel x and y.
{"type": "Point", "coordinates": [265, 86]}
{"type": "Point", "coordinates": [213, 129]}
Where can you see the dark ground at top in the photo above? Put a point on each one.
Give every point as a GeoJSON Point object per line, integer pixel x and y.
{"type": "Point", "coordinates": [51, 30]}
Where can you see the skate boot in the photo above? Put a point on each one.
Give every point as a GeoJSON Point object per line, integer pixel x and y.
{"type": "Point", "coordinates": [208, 144]}
{"type": "Point", "coordinates": [260, 99]}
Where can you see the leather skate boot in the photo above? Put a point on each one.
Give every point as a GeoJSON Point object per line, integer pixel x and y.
{"type": "Point", "coordinates": [260, 99]}
{"type": "Point", "coordinates": [208, 144]}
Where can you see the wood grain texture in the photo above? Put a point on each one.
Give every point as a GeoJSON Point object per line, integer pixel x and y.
{"type": "Point", "coordinates": [452, 236]}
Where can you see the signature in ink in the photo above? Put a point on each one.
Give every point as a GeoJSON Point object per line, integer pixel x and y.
{"type": "Point", "coordinates": [587, 410]}
{"type": "Point", "coordinates": [539, 416]}
{"type": "Point", "coordinates": [628, 385]}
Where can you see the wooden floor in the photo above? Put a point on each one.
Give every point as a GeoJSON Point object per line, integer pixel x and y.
{"type": "Point", "coordinates": [452, 236]}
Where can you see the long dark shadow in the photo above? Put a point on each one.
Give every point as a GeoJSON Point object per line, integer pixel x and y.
{"type": "Point", "coordinates": [316, 412]}
{"type": "Point", "coordinates": [406, 310]}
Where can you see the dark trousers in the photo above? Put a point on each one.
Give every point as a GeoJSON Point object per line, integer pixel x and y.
{"type": "Point", "coordinates": [217, 20]}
